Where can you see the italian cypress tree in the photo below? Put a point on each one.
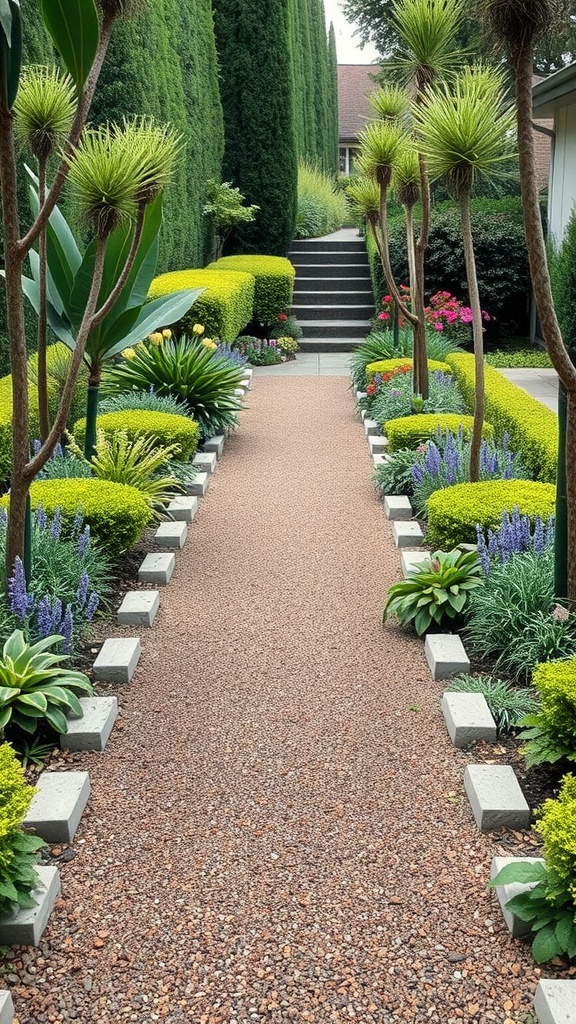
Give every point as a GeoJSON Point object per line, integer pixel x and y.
{"type": "Point", "coordinates": [332, 152]}
{"type": "Point", "coordinates": [256, 88]}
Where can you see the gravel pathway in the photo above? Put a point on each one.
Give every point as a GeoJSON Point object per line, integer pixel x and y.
{"type": "Point", "coordinates": [277, 829]}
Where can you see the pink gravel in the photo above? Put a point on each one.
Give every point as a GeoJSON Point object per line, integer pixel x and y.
{"type": "Point", "coordinates": [277, 830]}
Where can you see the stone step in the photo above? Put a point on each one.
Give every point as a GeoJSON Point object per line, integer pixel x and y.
{"type": "Point", "coordinates": [139, 608]}
{"type": "Point", "coordinates": [205, 461]}
{"type": "Point", "coordinates": [157, 568]}
{"type": "Point", "coordinates": [358, 269]}
{"type": "Point", "coordinates": [407, 535]}
{"type": "Point", "coordinates": [58, 805]}
{"type": "Point", "coordinates": [327, 344]}
{"type": "Point", "coordinates": [445, 654]}
{"type": "Point", "coordinates": [328, 257]}
{"type": "Point", "coordinates": [183, 509]}
{"type": "Point", "coordinates": [6, 1007]}
{"type": "Point", "coordinates": [327, 313]}
{"type": "Point", "coordinates": [171, 534]}
{"type": "Point", "coordinates": [468, 718]}
{"type": "Point", "coordinates": [555, 1001]}
{"type": "Point", "coordinates": [199, 485]}
{"type": "Point", "coordinates": [331, 282]}
{"type": "Point", "coordinates": [215, 444]}
{"type": "Point", "coordinates": [332, 331]}
{"type": "Point", "coordinates": [26, 926]}
{"type": "Point", "coordinates": [495, 797]}
{"type": "Point", "coordinates": [322, 244]}
{"type": "Point", "coordinates": [117, 660]}
{"type": "Point", "coordinates": [398, 507]}
{"type": "Point", "coordinates": [91, 732]}
{"type": "Point", "coordinates": [515, 926]}
{"type": "Point", "coordinates": [411, 560]}
{"type": "Point", "coordinates": [315, 297]}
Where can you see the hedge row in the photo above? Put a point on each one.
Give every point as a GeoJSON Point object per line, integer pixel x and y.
{"type": "Point", "coordinates": [411, 431]}
{"type": "Point", "coordinates": [223, 309]}
{"type": "Point", "coordinates": [532, 428]}
{"type": "Point", "coordinates": [273, 283]}
{"type": "Point", "coordinates": [454, 511]}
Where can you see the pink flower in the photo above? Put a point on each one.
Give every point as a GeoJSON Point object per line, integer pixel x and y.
{"type": "Point", "coordinates": [383, 316]}
{"type": "Point", "coordinates": [438, 326]}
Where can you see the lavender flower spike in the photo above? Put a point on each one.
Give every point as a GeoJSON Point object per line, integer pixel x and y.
{"type": "Point", "coordinates": [82, 592]}
{"type": "Point", "coordinates": [44, 617]}
{"type": "Point", "coordinates": [67, 630]}
{"type": "Point", "coordinates": [20, 601]}
{"type": "Point", "coordinates": [539, 540]}
{"type": "Point", "coordinates": [84, 541]}
{"type": "Point", "coordinates": [56, 527]}
{"type": "Point", "coordinates": [92, 606]}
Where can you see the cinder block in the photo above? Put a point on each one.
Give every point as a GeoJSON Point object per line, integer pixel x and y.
{"type": "Point", "coordinates": [495, 797]}
{"type": "Point", "coordinates": [363, 414]}
{"type": "Point", "coordinates": [157, 568]}
{"type": "Point", "coordinates": [25, 927]}
{"type": "Point", "coordinates": [361, 394]}
{"type": "Point", "coordinates": [199, 485]}
{"type": "Point", "coordinates": [515, 926]}
{"type": "Point", "coordinates": [555, 1001]}
{"type": "Point", "coordinates": [171, 534]}
{"type": "Point", "coordinates": [398, 507]}
{"type": "Point", "coordinates": [247, 377]}
{"type": "Point", "coordinates": [139, 608]}
{"type": "Point", "coordinates": [371, 427]}
{"type": "Point", "coordinates": [377, 444]}
{"type": "Point", "coordinates": [92, 730]}
{"type": "Point", "coordinates": [6, 1007]}
{"type": "Point", "coordinates": [407, 535]}
{"type": "Point", "coordinates": [183, 509]}
{"type": "Point", "coordinates": [468, 718]}
{"type": "Point", "coordinates": [215, 444]}
{"type": "Point", "coordinates": [58, 805]}
{"type": "Point", "coordinates": [411, 560]}
{"type": "Point", "coordinates": [205, 462]}
{"type": "Point", "coordinates": [239, 393]}
{"type": "Point", "coordinates": [445, 655]}
{"type": "Point", "coordinates": [117, 660]}
{"type": "Point", "coordinates": [380, 460]}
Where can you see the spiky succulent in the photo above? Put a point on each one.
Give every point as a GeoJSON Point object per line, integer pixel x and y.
{"type": "Point", "coordinates": [155, 149]}
{"type": "Point", "coordinates": [44, 109]}
{"type": "Point", "coordinates": [380, 144]}
{"type": "Point", "coordinates": [390, 103]}
{"type": "Point", "coordinates": [104, 177]}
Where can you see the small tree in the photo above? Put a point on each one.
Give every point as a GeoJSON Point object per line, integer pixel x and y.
{"type": "Point", "coordinates": [225, 208]}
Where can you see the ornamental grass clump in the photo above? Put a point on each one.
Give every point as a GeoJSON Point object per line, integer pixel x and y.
{"type": "Point", "coordinates": [18, 850]}
{"type": "Point", "coordinates": [446, 461]}
{"type": "Point", "coordinates": [508, 703]}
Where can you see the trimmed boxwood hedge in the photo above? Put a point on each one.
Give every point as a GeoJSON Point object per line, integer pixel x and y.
{"type": "Point", "coordinates": [386, 365]}
{"type": "Point", "coordinates": [166, 427]}
{"type": "Point", "coordinates": [6, 423]}
{"type": "Point", "coordinates": [532, 428]}
{"type": "Point", "coordinates": [117, 514]}
{"type": "Point", "coordinates": [225, 306]}
{"type": "Point", "coordinates": [454, 511]}
{"type": "Point", "coordinates": [410, 431]}
{"type": "Point", "coordinates": [274, 282]}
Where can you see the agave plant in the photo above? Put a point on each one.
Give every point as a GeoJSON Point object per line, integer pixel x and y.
{"type": "Point", "coordinates": [33, 686]}
{"type": "Point", "coordinates": [436, 591]}
{"type": "Point", "coordinates": [201, 379]}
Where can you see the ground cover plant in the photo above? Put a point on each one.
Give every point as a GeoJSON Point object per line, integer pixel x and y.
{"type": "Point", "coordinates": [509, 704]}
{"type": "Point", "coordinates": [18, 850]}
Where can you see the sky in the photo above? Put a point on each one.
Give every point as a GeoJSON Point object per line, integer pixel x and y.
{"type": "Point", "coordinates": [347, 46]}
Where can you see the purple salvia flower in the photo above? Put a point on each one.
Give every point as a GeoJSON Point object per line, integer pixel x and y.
{"type": "Point", "coordinates": [41, 520]}
{"type": "Point", "coordinates": [92, 606]}
{"type": "Point", "coordinates": [550, 530]}
{"type": "Point", "coordinates": [56, 526]}
{"type": "Point", "coordinates": [417, 474]}
{"type": "Point", "coordinates": [516, 528]}
{"type": "Point", "coordinates": [36, 445]}
{"type": "Point", "coordinates": [484, 457]}
{"type": "Point", "coordinates": [56, 615]}
{"type": "Point", "coordinates": [20, 601]}
{"type": "Point", "coordinates": [509, 465]}
{"type": "Point", "coordinates": [432, 460]}
{"type": "Point", "coordinates": [83, 541]}
{"type": "Point", "coordinates": [67, 630]}
{"type": "Point", "coordinates": [44, 617]}
{"type": "Point", "coordinates": [493, 548]}
{"type": "Point", "coordinates": [82, 592]}
{"type": "Point", "coordinates": [78, 521]}
{"type": "Point", "coordinates": [526, 533]}
{"type": "Point", "coordinates": [539, 540]}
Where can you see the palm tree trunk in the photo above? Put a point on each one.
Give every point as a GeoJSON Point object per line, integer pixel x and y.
{"type": "Point", "coordinates": [42, 383]}
{"type": "Point", "coordinates": [477, 333]}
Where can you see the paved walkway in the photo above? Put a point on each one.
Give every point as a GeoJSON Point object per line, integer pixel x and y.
{"type": "Point", "coordinates": [277, 831]}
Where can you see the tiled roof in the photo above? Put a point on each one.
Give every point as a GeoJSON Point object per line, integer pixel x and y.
{"type": "Point", "coordinates": [354, 84]}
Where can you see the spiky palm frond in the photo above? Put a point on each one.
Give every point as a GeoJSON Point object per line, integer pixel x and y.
{"type": "Point", "coordinates": [44, 109]}
{"type": "Point", "coordinates": [380, 143]}
{"type": "Point", "coordinates": [104, 177]}
{"type": "Point", "coordinates": [155, 149]}
{"type": "Point", "coordinates": [466, 131]}
{"type": "Point", "coordinates": [390, 103]}
{"type": "Point", "coordinates": [427, 32]}
{"type": "Point", "coordinates": [406, 176]}
{"type": "Point", "coordinates": [365, 195]}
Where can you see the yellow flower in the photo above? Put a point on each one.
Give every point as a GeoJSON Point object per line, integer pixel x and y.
{"type": "Point", "coordinates": [141, 346]}
{"type": "Point", "coordinates": [208, 343]}
{"type": "Point", "coordinates": [198, 329]}
{"type": "Point", "coordinates": [166, 333]}
{"type": "Point", "coordinates": [156, 338]}
{"type": "Point", "coordinates": [128, 353]}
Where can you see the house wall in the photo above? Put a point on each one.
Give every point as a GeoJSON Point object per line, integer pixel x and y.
{"type": "Point", "coordinates": [562, 197]}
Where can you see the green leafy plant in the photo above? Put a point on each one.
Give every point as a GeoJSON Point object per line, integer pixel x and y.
{"type": "Point", "coordinates": [202, 380]}
{"type": "Point", "coordinates": [134, 461]}
{"type": "Point", "coordinates": [519, 358]}
{"type": "Point", "coordinates": [551, 732]}
{"type": "Point", "coordinates": [33, 686]}
{"type": "Point", "coordinates": [225, 207]}
{"type": "Point", "coordinates": [395, 475]}
{"type": "Point", "coordinates": [435, 592]}
{"type": "Point", "coordinates": [508, 704]}
{"type": "Point", "coordinates": [380, 345]}
{"type": "Point", "coordinates": [550, 905]}
{"type": "Point", "coordinates": [18, 851]}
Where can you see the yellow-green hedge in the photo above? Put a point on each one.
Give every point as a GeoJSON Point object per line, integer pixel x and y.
{"type": "Point", "coordinates": [274, 277]}
{"type": "Point", "coordinates": [454, 511]}
{"type": "Point", "coordinates": [6, 423]}
{"type": "Point", "coordinates": [386, 365]}
{"type": "Point", "coordinates": [532, 428]}
{"type": "Point", "coordinates": [166, 427]}
{"type": "Point", "coordinates": [225, 306]}
{"type": "Point", "coordinates": [117, 514]}
{"type": "Point", "coordinates": [410, 431]}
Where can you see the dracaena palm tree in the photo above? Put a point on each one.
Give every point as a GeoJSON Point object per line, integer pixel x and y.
{"type": "Point", "coordinates": [465, 132]}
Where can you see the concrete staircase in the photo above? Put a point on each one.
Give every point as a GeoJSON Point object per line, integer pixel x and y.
{"type": "Point", "coordinates": [333, 293]}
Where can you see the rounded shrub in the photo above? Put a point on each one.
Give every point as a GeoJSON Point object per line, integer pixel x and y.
{"type": "Point", "coordinates": [274, 282]}
{"type": "Point", "coordinates": [387, 365]}
{"type": "Point", "coordinates": [117, 514]}
{"type": "Point", "coordinates": [17, 849]}
{"type": "Point", "coordinates": [453, 512]}
{"type": "Point", "coordinates": [410, 431]}
{"type": "Point", "coordinates": [166, 427]}
{"type": "Point", "coordinates": [225, 306]}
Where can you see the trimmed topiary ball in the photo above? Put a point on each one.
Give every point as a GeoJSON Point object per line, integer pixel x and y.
{"type": "Point", "coordinates": [410, 431]}
{"type": "Point", "coordinates": [168, 428]}
{"type": "Point", "coordinates": [454, 511]}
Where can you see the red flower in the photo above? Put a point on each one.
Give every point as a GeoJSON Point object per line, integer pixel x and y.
{"type": "Point", "coordinates": [371, 389]}
{"type": "Point", "coordinates": [282, 317]}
